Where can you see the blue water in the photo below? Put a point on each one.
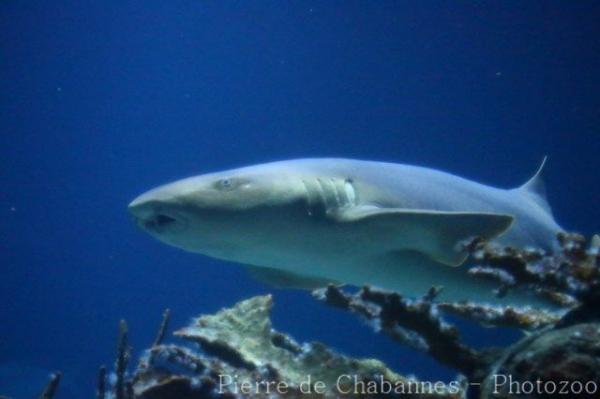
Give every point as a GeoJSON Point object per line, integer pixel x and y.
{"type": "Point", "coordinates": [100, 101]}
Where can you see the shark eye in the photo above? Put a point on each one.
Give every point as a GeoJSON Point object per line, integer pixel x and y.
{"type": "Point", "coordinates": [225, 184]}
{"type": "Point", "coordinates": [231, 183]}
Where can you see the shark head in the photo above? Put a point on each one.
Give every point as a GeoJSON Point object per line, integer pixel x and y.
{"type": "Point", "coordinates": [222, 214]}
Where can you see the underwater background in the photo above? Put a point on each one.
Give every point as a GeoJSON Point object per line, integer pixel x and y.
{"type": "Point", "coordinates": [100, 101]}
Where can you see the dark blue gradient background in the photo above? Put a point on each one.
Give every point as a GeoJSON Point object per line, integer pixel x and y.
{"type": "Point", "coordinates": [102, 100]}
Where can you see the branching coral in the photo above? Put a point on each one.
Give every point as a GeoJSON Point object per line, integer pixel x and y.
{"type": "Point", "coordinates": [571, 275]}
{"type": "Point", "coordinates": [242, 356]}
{"type": "Point", "coordinates": [501, 316]}
{"type": "Point", "coordinates": [413, 322]}
{"type": "Point", "coordinates": [571, 278]}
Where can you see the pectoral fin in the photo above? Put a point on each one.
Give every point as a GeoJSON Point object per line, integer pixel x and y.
{"type": "Point", "coordinates": [434, 233]}
{"type": "Point", "coordinates": [283, 279]}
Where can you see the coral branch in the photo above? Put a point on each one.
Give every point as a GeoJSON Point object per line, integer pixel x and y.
{"type": "Point", "coordinates": [101, 385]}
{"type": "Point", "coordinates": [401, 319]}
{"type": "Point", "coordinates": [501, 316]}
{"type": "Point", "coordinates": [572, 271]}
{"type": "Point", "coordinates": [129, 394]}
{"type": "Point", "coordinates": [241, 342]}
{"type": "Point", "coordinates": [52, 386]}
{"type": "Point", "coordinates": [164, 326]}
{"type": "Point", "coordinates": [122, 360]}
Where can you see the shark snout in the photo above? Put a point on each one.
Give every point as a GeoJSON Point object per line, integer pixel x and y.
{"type": "Point", "coordinates": [153, 215]}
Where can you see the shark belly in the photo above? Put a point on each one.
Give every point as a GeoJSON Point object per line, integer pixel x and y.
{"type": "Point", "coordinates": [411, 274]}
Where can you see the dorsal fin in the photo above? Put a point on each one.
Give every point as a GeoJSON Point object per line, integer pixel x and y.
{"type": "Point", "coordinates": [535, 188]}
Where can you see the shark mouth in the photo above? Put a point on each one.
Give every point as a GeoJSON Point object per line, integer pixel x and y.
{"type": "Point", "coordinates": [159, 222]}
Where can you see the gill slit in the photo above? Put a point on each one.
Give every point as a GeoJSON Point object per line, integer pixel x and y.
{"type": "Point", "coordinates": [328, 195]}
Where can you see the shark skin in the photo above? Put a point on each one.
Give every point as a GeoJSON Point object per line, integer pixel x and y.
{"type": "Point", "coordinates": [303, 223]}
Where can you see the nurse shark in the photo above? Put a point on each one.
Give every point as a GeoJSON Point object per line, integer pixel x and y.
{"type": "Point", "coordinates": [309, 222]}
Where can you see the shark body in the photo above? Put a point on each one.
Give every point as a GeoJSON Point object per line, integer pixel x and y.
{"type": "Point", "coordinates": [307, 222]}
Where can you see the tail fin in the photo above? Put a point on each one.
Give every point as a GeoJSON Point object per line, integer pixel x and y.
{"type": "Point", "coordinates": [535, 189]}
